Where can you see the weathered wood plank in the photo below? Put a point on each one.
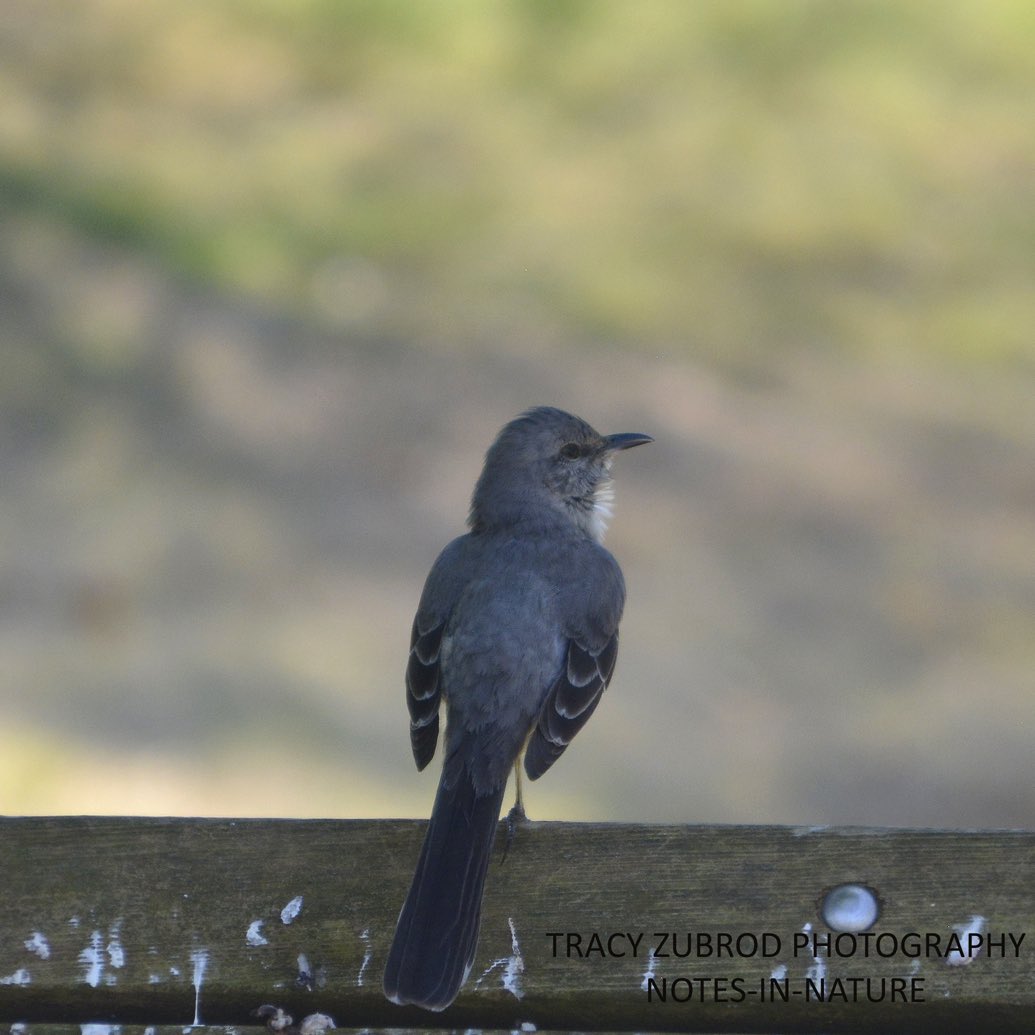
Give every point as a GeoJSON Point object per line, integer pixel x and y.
{"type": "Point", "coordinates": [172, 921]}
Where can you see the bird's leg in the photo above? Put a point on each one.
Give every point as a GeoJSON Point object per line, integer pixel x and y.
{"type": "Point", "coordinates": [517, 813]}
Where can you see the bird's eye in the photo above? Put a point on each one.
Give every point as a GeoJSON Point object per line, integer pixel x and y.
{"type": "Point", "coordinates": [571, 451]}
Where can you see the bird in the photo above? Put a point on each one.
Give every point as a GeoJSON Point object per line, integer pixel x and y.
{"type": "Point", "coordinates": [517, 632]}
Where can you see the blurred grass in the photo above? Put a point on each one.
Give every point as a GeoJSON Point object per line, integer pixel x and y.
{"type": "Point", "coordinates": [719, 179]}
{"type": "Point", "coordinates": [272, 272]}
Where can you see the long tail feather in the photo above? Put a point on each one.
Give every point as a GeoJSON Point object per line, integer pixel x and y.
{"type": "Point", "coordinates": [437, 933]}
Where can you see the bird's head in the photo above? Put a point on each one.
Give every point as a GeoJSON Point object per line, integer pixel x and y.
{"type": "Point", "coordinates": [547, 466]}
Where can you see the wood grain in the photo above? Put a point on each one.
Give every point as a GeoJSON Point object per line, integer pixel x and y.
{"type": "Point", "coordinates": [172, 921]}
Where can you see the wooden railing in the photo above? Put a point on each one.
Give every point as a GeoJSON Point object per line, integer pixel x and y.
{"type": "Point", "coordinates": [137, 921]}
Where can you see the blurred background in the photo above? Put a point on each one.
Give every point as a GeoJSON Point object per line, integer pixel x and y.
{"type": "Point", "coordinates": [273, 273]}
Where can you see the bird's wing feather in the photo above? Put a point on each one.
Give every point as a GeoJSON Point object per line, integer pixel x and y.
{"type": "Point", "coordinates": [570, 702]}
{"type": "Point", "coordinates": [423, 690]}
{"type": "Point", "coordinates": [442, 589]}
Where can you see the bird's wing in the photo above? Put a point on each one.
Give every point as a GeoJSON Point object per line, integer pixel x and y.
{"type": "Point", "coordinates": [444, 585]}
{"type": "Point", "coordinates": [423, 690]}
{"type": "Point", "coordinates": [570, 702]}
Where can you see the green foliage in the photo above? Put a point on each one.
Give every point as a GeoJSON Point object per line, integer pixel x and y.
{"type": "Point", "coordinates": [723, 178]}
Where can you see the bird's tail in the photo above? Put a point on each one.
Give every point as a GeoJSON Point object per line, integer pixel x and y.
{"type": "Point", "coordinates": [437, 933]}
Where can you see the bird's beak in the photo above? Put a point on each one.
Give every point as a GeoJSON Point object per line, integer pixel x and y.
{"type": "Point", "coordinates": [626, 440]}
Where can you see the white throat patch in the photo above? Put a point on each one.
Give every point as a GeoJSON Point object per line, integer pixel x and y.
{"type": "Point", "coordinates": [603, 507]}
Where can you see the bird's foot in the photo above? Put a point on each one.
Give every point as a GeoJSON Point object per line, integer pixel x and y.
{"type": "Point", "coordinates": [515, 818]}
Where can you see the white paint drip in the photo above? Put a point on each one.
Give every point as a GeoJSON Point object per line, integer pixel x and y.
{"type": "Point", "coordinates": [779, 973]}
{"type": "Point", "coordinates": [528, 1026]}
{"type": "Point", "coordinates": [199, 957]}
{"type": "Point", "coordinates": [255, 937]}
{"type": "Point", "coordinates": [291, 910]}
{"type": "Point", "coordinates": [818, 971]}
{"type": "Point", "coordinates": [99, 1029]}
{"type": "Point", "coordinates": [92, 960]}
{"type": "Point", "coordinates": [515, 965]}
{"type": "Point", "coordinates": [368, 954]}
{"type": "Point", "coordinates": [19, 977]}
{"type": "Point", "coordinates": [648, 974]}
{"type": "Point", "coordinates": [38, 944]}
{"type": "Point", "coordinates": [975, 925]}
{"type": "Point", "coordinates": [116, 953]}
{"type": "Point", "coordinates": [315, 1024]}
{"type": "Point", "coordinates": [512, 966]}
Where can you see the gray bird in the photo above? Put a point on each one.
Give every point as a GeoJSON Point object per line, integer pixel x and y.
{"type": "Point", "coordinates": [517, 629]}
